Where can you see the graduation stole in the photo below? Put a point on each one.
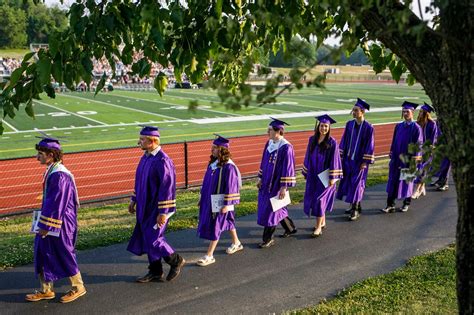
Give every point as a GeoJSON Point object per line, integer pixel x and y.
{"type": "Point", "coordinates": [357, 139]}
{"type": "Point", "coordinates": [57, 167]}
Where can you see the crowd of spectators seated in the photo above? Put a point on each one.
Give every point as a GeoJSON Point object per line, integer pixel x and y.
{"type": "Point", "coordinates": [123, 74]}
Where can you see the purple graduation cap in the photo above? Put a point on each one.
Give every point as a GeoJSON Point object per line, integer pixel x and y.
{"type": "Point", "coordinates": [151, 131]}
{"type": "Point", "coordinates": [427, 108]}
{"type": "Point", "coordinates": [325, 119]}
{"type": "Point", "coordinates": [280, 124]}
{"type": "Point", "coordinates": [408, 105]}
{"type": "Point", "coordinates": [221, 141]}
{"type": "Point", "coordinates": [48, 142]}
{"type": "Point", "coordinates": [363, 105]}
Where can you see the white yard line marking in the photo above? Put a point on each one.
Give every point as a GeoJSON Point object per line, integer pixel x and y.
{"type": "Point", "coordinates": [72, 113]}
{"type": "Point", "coordinates": [168, 104]}
{"type": "Point", "coordinates": [3, 121]}
{"type": "Point", "coordinates": [289, 115]}
{"type": "Point", "coordinates": [123, 107]}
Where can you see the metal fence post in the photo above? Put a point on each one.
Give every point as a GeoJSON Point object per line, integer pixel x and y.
{"type": "Point", "coordinates": [186, 179]}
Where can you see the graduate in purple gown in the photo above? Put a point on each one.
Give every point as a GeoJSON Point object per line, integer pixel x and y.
{"type": "Point", "coordinates": [430, 135]}
{"type": "Point", "coordinates": [276, 175]}
{"type": "Point", "coordinates": [154, 201]}
{"type": "Point", "coordinates": [406, 133]}
{"type": "Point", "coordinates": [357, 152]}
{"type": "Point", "coordinates": [321, 168]}
{"type": "Point", "coordinates": [222, 178]}
{"type": "Point", "coordinates": [441, 183]}
{"type": "Point", "coordinates": [54, 249]}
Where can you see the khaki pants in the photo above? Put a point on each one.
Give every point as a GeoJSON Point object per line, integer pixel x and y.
{"type": "Point", "coordinates": [76, 282]}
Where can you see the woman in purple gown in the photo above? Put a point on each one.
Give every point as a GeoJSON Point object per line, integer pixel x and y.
{"type": "Point", "coordinates": [223, 180]}
{"type": "Point", "coordinates": [321, 168]}
{"type": "Point", "coordinates": [430, 136]}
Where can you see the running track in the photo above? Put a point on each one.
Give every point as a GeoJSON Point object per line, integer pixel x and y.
{"type": "Point", "coordinates": [107, 174]}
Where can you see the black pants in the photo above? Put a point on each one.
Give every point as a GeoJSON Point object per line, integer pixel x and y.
{"type": "Point", "coordinates": [156, 267]}
{"type": "Point", "coordinates": [391, 201]}
{"type": "Point", "coordinates": [286, 223]}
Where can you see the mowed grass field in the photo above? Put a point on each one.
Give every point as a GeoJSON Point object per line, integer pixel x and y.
{"type": "Point", "coordinates": [110, 120]}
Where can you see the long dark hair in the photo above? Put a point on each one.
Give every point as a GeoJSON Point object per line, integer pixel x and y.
{"type": "Point", "coordinates": [325, 144]}
{"type": "Point", "coordinates": [223, 156]}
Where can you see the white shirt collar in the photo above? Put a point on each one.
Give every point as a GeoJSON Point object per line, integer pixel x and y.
{"type": "Point", "coordinates": [155, 152]}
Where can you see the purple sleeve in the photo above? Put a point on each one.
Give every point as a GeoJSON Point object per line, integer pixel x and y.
{"type": "Point", "coordinates": [306, 158]}
{"type": "Point", "coordinates": [232, 190]}
{"type": "Point", "coordinates": [393, 140]}
{"type": "Point", "coordinates": [418, 140]}
{"type": "Point", "coordinates": [342, 145]}
{"type": "Point", "coordinates": [58, 193]}
{"type": "Point", "coordinates": [368, 149]}
{"type": "Point", "coordinates": [288, 178]}
{"type": "Point", "coordinates": [260, 171]}
{"type": "Point", "coordinates": [335, 166]}
{"type": "Point", "coordinates": [167, 188]}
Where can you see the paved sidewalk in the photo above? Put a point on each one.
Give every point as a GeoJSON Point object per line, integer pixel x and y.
{"type": "Point", "coordinates": [296, 272]}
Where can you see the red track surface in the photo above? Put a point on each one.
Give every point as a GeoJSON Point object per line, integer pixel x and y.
{"type": "Point", "coordinates": [107, 174]}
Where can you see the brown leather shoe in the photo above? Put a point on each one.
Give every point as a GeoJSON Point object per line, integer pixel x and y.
{"type": "Point", "coordinates": [73, 295]}
{"type": "Point", "coordinates": [175, 270]}
{"type": "Point", "coordinates": [38, 296]}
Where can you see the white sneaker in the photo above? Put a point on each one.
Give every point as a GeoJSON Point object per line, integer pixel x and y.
{"type": "Point", "coordinates": [234, 248]}
{"type": "Point", "coordinates": [206, 261]}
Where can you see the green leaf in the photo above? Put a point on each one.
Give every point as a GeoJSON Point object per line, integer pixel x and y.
{"type": "Point", "coordinates": [29, 109]}
{"type": "Point", "coordinates": [16, 75]}
{"type": "Point", "coordinates": [44, 69]}
{"type": "Point", "coordinates": [53, 45]}
{"type": "Point", "coordinates": [28, 57]}
{"type": "Point", "coordinates": [411, 79]}
{"type": "Point", "coordinates": [101, 84]}
{"type": "Point", "coordinates": [218, 9]}
{"type": "Point", "coordinates": [48, 88]}
{"type": "Point", "coordinates": [1, 127]}
{"type": "Point", "coordinates": [57, 71]}
{"type": "Point", "coordinates": [161, 83]}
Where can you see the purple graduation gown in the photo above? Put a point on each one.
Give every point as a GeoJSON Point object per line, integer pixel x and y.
{"type": "Point", "coordinates": [211, 226]}
{"type": "Point", "coordinates": [55, 257]}
{"type": "Point", "coordinates": [317, 198]}
{"type": "Point", "coordinates": [430, 132]}
{"type": "Point", "coordinates": [277, 169]}
{"type": "Point", "coordinates": [155, 193]}
{"type": "Point", "coordinates": [356, 147]}
{"type": "Point", "coordinates": [403, 135]}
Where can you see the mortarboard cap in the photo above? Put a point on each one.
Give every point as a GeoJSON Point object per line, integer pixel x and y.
{"type": "Point", "coordinates": [221, 141]}
{"type": "Point", "coordinates": [427, 108]}
{"type": "Point", "coordinates": [409, 105]}
{"type": "Point", "coordinates": [48, 142]}
{"type": "Point", "coordinates": [151, 131]}
{"type": "Point", "coordinates": [363, 105]}
{"type": "Point", "coordinates": [325, 119]}
{"type": "Point", "coordinates": [280, 124]}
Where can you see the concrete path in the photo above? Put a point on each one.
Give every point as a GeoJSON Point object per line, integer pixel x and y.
{"type": "Point", "coordinates": [296, 272]}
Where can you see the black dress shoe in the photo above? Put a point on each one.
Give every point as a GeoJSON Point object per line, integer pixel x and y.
{"type": "Point", "coordinates": [150, 277]}
{"type": "Point", "coordinates": [347, 211]}
{"type": "Point", "coordinates": [288, 234]}
{"type": "Point", "coordinates": [354, 215]}
{"type": "Point", "coordinates": [175, 270]}
{"type": "Point", "coordinates": [267, 243]}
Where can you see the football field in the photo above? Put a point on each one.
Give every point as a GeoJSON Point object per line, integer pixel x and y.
{"type": "Point", "coordinates": [111, 120]}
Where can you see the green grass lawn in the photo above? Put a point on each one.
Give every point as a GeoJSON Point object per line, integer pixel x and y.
{"type": "Point", "coordinates": [110, 120]}
{"type": "Point", "coordinates": [425, 285]}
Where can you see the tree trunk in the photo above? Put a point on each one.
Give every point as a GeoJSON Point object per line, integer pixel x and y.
{"type": "Point", "coordinates": [443, 63]}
